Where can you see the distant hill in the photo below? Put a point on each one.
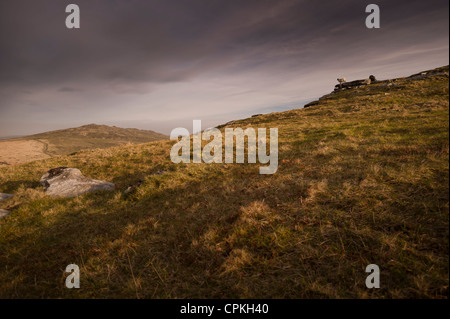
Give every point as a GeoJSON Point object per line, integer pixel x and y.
{"type": "Point", "coordinates": [68, 141]}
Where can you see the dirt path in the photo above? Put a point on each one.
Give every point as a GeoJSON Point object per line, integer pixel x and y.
{"type": "Point", "coordinates": [45, 149]}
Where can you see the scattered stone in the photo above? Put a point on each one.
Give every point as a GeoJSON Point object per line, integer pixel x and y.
{"type": "Point", "coordinates": [313, 103]}
{"type": "Point", "coordinates": [417, 75]}
{"type": "Point", "coordinates": [3, 213]}
{"type": "Point", "coordinates": [256, 115]}
{"type": "Point", "coordinates": [69, 182]}
{"type": "Point", "coordinates": [132, 188]}
{"type": "Point", "coordinates": [372, 78]}
{"type": "Point", "coordinates": [4, 196]}
{"type": "Point", "coordinates": [432, 73]}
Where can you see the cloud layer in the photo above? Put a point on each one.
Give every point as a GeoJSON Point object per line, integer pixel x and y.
{"type": "Point", "coordinates": [160, 64]}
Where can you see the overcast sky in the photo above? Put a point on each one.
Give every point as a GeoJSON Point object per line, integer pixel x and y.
{"type": "Point", "coordinates": [159, 64]}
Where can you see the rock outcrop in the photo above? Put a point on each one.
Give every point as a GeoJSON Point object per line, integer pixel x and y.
{"type": "Point", "coordinates": [352, 84]}
{"type": "Point", "coordinates": [343, 85]}
{"type": "Point", "coordinates": [313, 103]}
{"type": "Point", "coordinates": [321, 100]}
{"type": "Point", "coordinates": [70, 182]}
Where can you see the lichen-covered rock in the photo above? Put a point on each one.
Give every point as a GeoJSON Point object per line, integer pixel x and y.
{"type": "Point", "coordinates": [69, 182]}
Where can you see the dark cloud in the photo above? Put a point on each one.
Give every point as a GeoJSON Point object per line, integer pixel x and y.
{"type": "Point", "coordinates": [69, 89]}
{"type": "Point", "coordinates": [141, 47]}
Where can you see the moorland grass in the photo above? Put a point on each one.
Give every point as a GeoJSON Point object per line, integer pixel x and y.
{"type": "Point", "coordinates": [363, 178]}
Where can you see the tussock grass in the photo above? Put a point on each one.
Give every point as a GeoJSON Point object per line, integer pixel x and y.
{"type": "Point", "coordinates": [363, 178]}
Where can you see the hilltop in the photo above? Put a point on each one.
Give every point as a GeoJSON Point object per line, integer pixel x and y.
{"type": "Point", "coordinates": [67, 141]}
{"type": "Point", "coordinates": [363, 178]}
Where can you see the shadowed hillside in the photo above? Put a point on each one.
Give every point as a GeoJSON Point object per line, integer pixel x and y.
{"type": "Point", "coordinates": [67, 141]}
{"type": "Point", "coordinates": [363, 179]}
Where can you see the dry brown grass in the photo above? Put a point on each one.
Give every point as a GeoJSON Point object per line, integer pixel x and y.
{"type": "Point", "coordinates": [13, 152]}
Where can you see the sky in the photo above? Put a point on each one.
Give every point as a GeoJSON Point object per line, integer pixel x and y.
{"type": "Point", "coordinates": [160, 64]}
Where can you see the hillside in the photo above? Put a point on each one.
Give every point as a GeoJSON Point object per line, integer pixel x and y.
{"type": "Point", "coordinates": [67, 141]}
{"type": "Point", "coordinates": [363, 179]}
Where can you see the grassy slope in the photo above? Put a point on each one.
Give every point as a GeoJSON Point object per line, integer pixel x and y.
{"type": "Point", "coordinates": [363, 178]}
{"type": "Point", "coordinates": [63, 142]}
